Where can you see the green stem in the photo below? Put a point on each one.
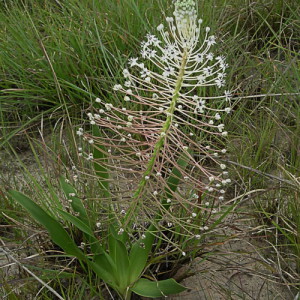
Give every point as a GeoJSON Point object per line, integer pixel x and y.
{"type": "Point", "coordinates": [158, 146]}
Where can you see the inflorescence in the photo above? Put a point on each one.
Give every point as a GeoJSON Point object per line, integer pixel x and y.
{"type": "Point", "coordinates": [168, 108]}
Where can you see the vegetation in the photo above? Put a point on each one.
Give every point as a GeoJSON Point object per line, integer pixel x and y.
{"type": "Point", "coordinates": [56, 58]}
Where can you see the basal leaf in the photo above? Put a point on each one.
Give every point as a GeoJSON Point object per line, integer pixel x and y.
{"type": "Point", "coordinates": [154, 289]}
{"type": "Point", "coordinates": [139, 254]}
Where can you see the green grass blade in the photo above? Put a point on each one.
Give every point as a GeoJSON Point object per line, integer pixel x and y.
{"type": "Point", "coordinates": [100, 169]}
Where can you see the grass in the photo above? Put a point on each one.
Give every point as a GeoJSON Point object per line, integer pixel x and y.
{"type": "Point", "coordinates": [57, 57]}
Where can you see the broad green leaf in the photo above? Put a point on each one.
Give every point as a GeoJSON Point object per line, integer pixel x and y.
{"type": "Point", "coordinates": [154, 289]}
{"type": "Point", "coordinates": [57, 233]}
{"type": "Point", "coordinates": [122, 264]}
{"type": "Point", "coordinates": [112, 245]}
{"type": "Point", "coordinates": [119, 254]}
{"type": "Point", "coordinates": [139, 254]}
{"type": "Point", "coordinates": [105, 268]}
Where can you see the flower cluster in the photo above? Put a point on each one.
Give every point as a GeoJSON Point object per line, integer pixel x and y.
{"type": "Point", "coordinates": [168, 110]}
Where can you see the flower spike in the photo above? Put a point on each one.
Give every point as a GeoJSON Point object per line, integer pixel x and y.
{"type": "Point", "coordinates": [167, 110]}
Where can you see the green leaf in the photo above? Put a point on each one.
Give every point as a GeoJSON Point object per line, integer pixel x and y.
{"type": "Point", "coordinates": [105, 268]}
{"type": "Point", "coordinates": [96, 247]}
{"type": "Point", "coordinates": [76, 202]}
{"type": "Point", "coordinates": [154, 289]}
{"type": "Point", "coordinates": [122, 264]}
{"type": "Point", "coordinates": [76, 222]}
{"type": "Point", "coordinates": [57, 233]}
{"type": "Point", "coordinates": [119, 254]}
{"type": "Point", "coordinates": [138, 256]}
{"type": "Point", "coordinates": [176, 176]}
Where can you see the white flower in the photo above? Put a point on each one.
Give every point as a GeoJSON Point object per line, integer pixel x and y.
{"type": "Point", "coordinates": [133, 62]}
{"type": "Point", "coordinates": [228, 95]}
{"type": "Point", "coordinates": [220, 82]}
{"type": "Point", "coordinates": [201, 79]}
{"type": "Point", "coordinates": [199, 58]}
{"type": "Point", "coordinates": [221, 127]}
{"type": "Point", "coordinates": [160, 27]}
{"type": "Point", "coordinates": [211, 40]}
{"type": "Point", "coordinates": [127, 83]}
{"type": "Point", "coordinates": [126, 73]}
{"type": "Point", "coordinates": [108, 106]}
{"type": "Point", "coordinates": [217, 116]}
{"type": "Point", "coordinates": [117, 87]}
{"type": "Point", "coordinates": [208, 71]}
{"type": "Point", "coordinates": [224, 133]}
{"type": "Point", "coordinates": [210, 56]}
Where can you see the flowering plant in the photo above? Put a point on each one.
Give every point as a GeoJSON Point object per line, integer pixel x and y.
{"type": "Point", "coordinates": [166, 117]}
{"type": "Point", "coordinates": [157, 159]}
